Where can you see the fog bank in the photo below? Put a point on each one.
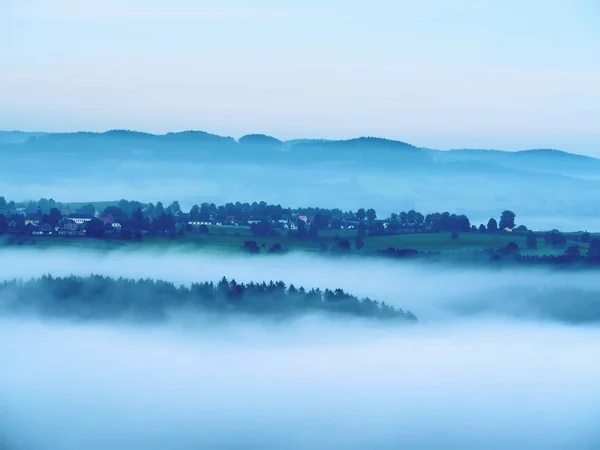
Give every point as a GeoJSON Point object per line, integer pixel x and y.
{"type": "Point", "coordinates": [480, 370]}
{"type": "Point", "coordinates": [315, 384]}
{"type": "Point", "coordinates": [432, 292]}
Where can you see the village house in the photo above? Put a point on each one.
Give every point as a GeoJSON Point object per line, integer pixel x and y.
{"type": "Point", "coordinates": [80, 219]}
{"type": "Point", "coordinates": [30, 228]}
{"type": "Point", "coordinates": [350, 224]}
{"type": "Point", "coordinates": [43, 229]}
{"type": "Point", "coordinates": [198, 223]}
{"type": "Point", "coordinates": [33, 218]}
{"type": "Point", "coordinates": [70, 228]}
{"type": "Point", "coordinates": [109, 221]}
{"type": "Point", "coordinates": [283, 223]}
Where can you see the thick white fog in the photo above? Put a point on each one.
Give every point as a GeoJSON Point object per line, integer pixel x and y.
{"type": "Point", "coordinates": [452, 381]}
{"type": "Point", "coordinates": [311, 385]}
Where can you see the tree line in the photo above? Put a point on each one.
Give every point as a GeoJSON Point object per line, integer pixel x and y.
{"type": "Point", "coordinates": [136, 218]}
{"type": "Point", "coordinates": [572, 255]}
{"type": "Point", "coordinates": [99, 297]}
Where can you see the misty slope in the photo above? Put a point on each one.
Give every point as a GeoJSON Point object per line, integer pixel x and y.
{"type": "Point", "coordinates": [194, 167]}
{"type": "Point", "coordinates": [536, 160]}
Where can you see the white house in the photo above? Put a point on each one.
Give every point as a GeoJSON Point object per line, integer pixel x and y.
{"type": "Point", "coordinates": [197, 223]}
{"type": "Point", "coordinates": [80, 219]}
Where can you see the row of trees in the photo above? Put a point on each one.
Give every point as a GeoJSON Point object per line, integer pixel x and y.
{"type": "Point", "coordinates": [138, 218]}
{"type": "Point", "coordinates": [98, 297]}
{"type": "Point", "coordinates": [511, 251]}
{"type": "Point", "coordinates": [245, 211]}
{"type": "Point", "coordinates": [559, 240]}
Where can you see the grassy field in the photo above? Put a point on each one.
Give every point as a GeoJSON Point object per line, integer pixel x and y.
{"type": "Point", "coordinates": [231, 239]}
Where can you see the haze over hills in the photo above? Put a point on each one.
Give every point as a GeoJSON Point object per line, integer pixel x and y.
{"type": "Point", "coordinates": [196, 166]}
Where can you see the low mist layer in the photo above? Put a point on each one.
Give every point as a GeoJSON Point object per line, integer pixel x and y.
{"type": "Point", "coordinates": [431, 292]}
{"type": "Point", "coordinates": [480, 369]}
{"type": "Point", "coordinates": [316, 384]}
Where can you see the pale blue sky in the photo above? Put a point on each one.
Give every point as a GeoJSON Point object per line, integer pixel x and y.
{"type": "Point", "coordinates": [504, 74]}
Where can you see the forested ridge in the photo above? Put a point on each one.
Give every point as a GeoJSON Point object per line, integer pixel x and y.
{"type": "Point", "coordinates": [100, 297]}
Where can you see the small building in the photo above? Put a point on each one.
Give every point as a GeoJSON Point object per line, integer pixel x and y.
{"type": "Point", "coordinates": [198, 223]}
{"type": "Point", "coordinates": [43, 229]}
{"type": "Point", "coordinates": [80, 219]}
{"type": "Point", "coordinates": [30, 228]}
{"type": "Point", "coordinates": [33, 219]}
{"type": "Point", "coordinates": [71, 228]}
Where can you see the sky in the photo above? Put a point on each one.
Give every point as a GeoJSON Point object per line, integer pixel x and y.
{"type": "Point", "coordinates": [478, 73]}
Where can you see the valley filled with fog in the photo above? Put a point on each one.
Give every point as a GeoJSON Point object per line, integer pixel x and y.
{"type": "Point", "coordinates": [285, 225]}
{"type": "Point", "coordinates": [497, 359]}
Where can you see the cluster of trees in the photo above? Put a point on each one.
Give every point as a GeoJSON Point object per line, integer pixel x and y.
{"type": "Point", "coordinates": [239, 212]}
{"type": "Point", "coordinates": [98, 297]}
{"type": "Point", "coordinates": [507, 220]}
{"type": "Point", "coordinates": [7, 207]}
{"type": "Point", "coordinates": [243, 212]}
{"type": "Point", "coordinates": [366, 223]}
{"type": "Point", "coordinates": [446, 221]}
{"type": "Point", "coordinates": [572, 254]}
{"type": "Point", "coordinates": [137, 219]}
{"type": "Point", "coordinates": [559, 240]}
{"type": "Point", "coordinates": [43, 205]}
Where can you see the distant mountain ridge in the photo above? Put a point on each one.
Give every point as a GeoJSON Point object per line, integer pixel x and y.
{"type": "Point", "coordinates": [366, 151]}
{"type": "Point", "coordinates": [264, 139]}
